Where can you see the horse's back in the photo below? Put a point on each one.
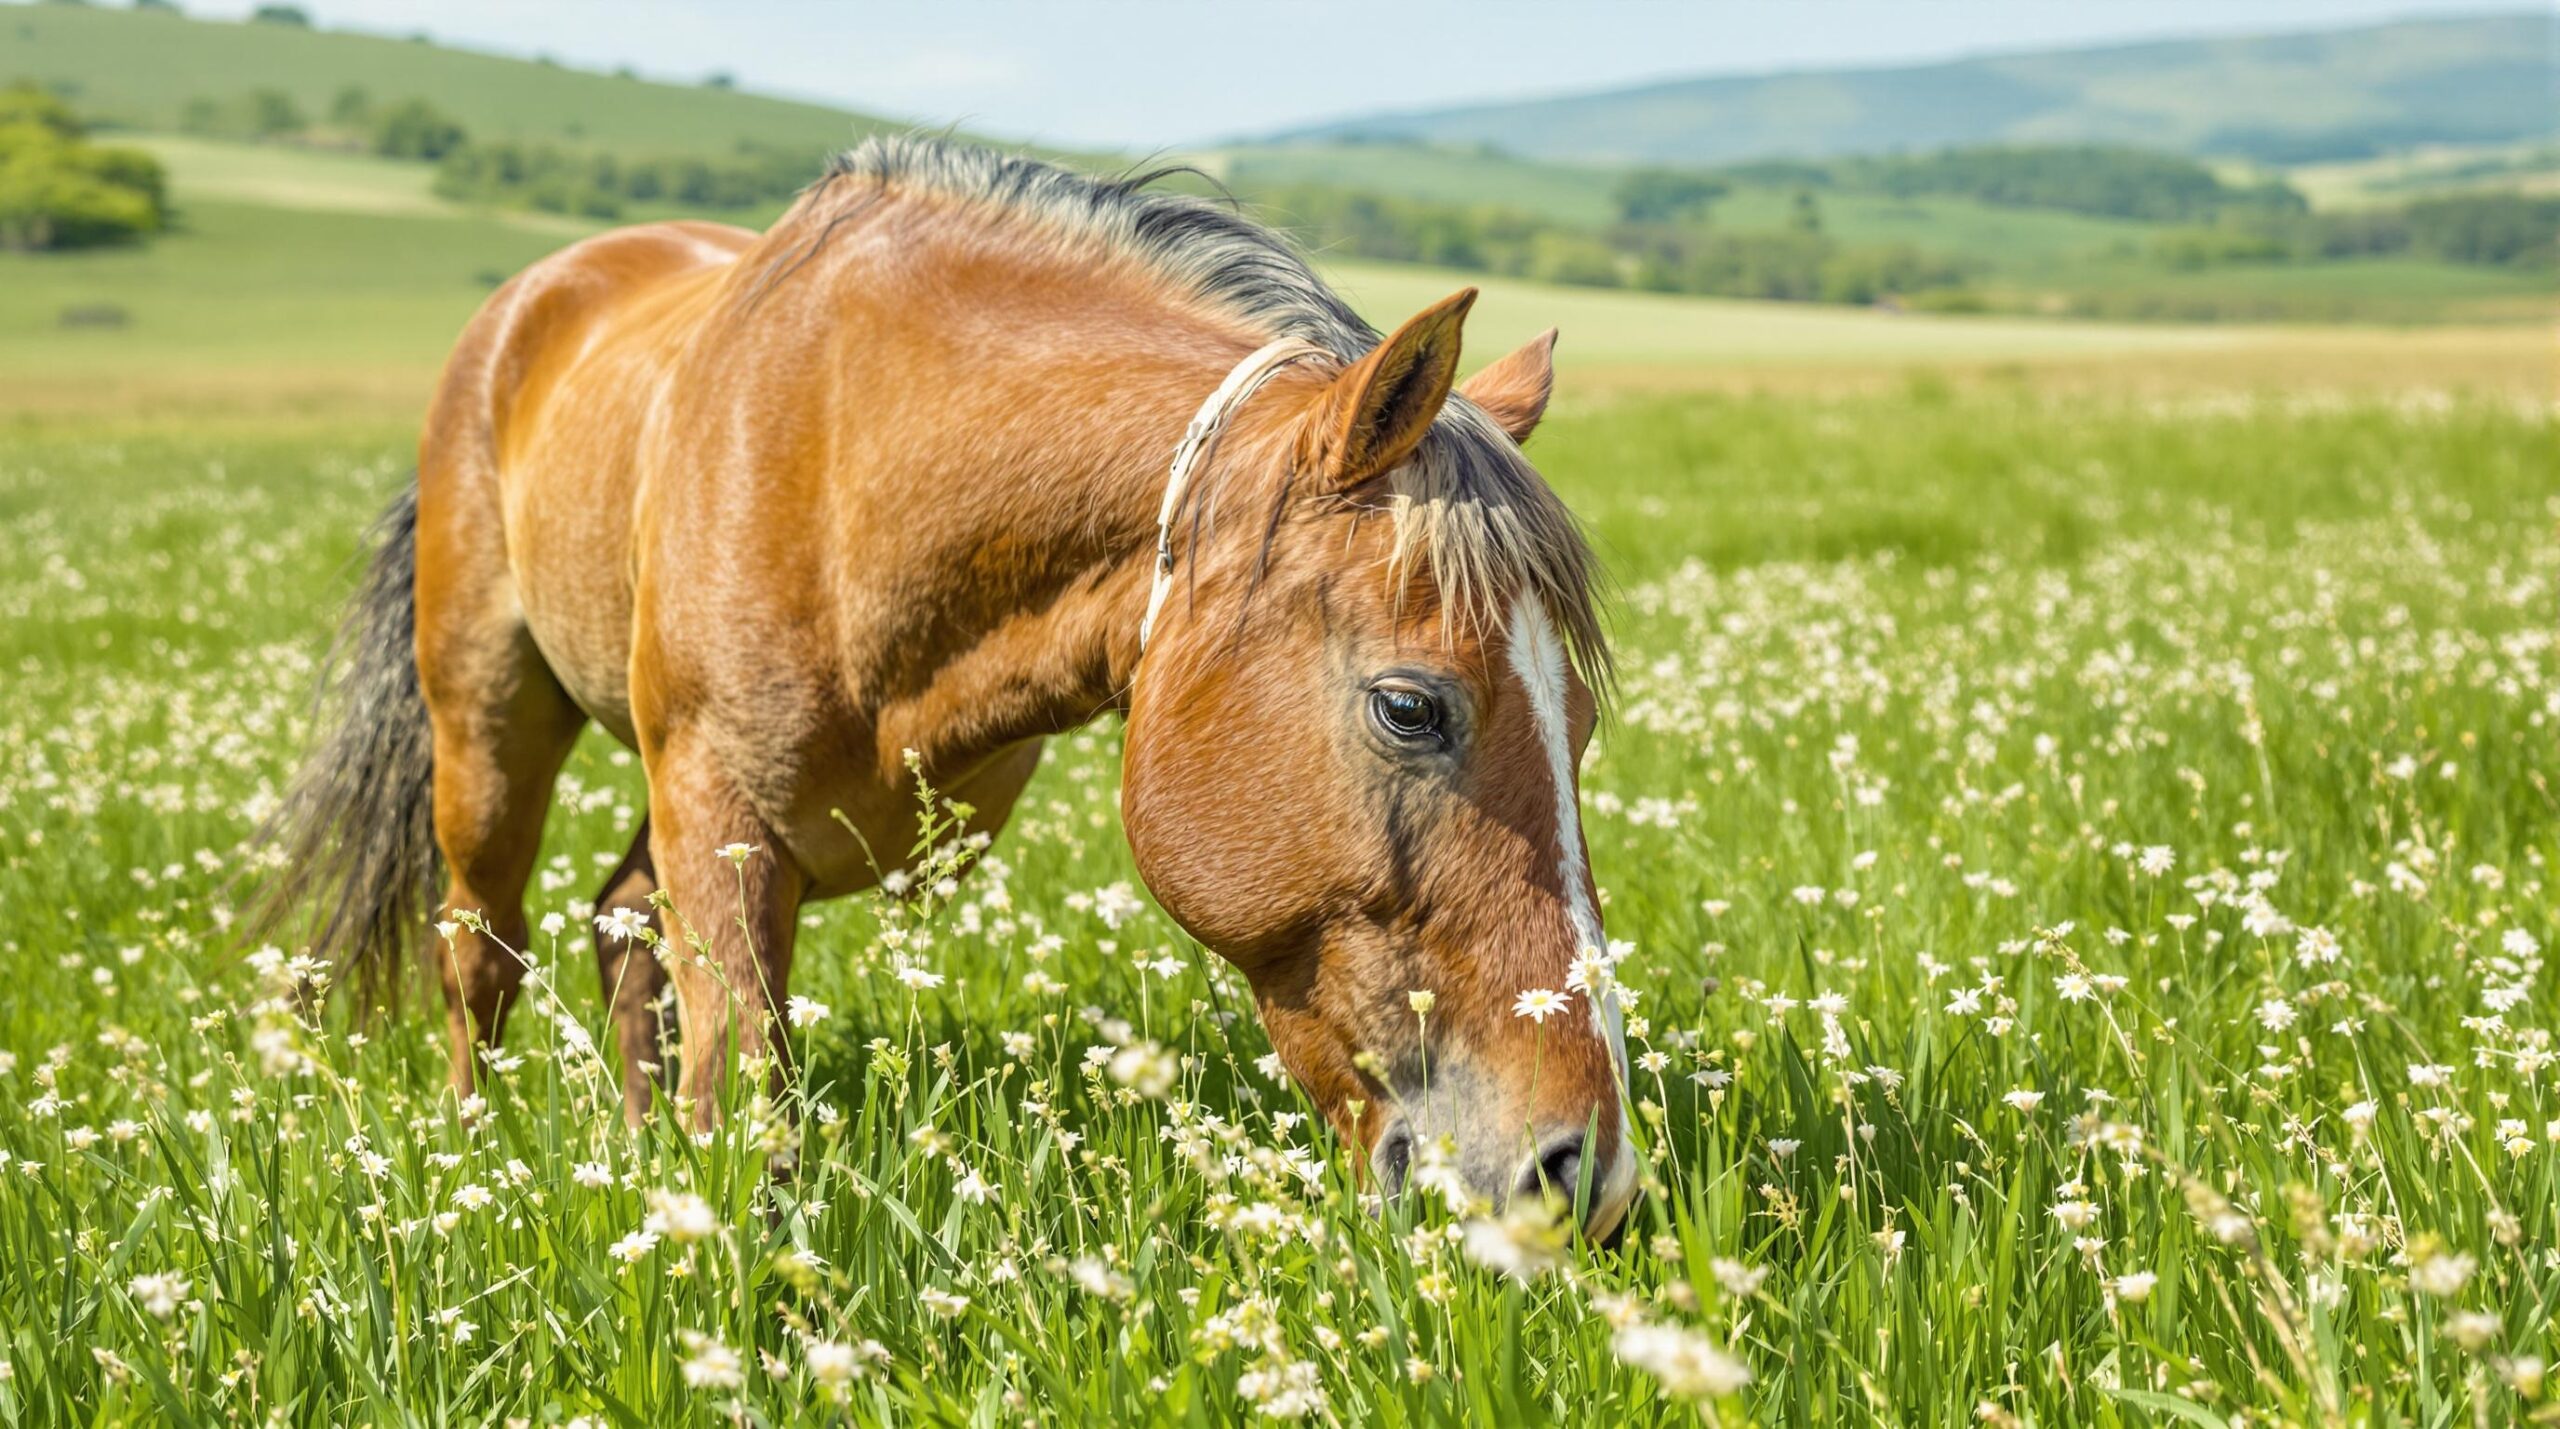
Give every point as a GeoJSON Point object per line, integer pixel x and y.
{"type": "Point", "coordinates": [528, 461]}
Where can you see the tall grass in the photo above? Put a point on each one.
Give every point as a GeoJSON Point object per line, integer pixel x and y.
{"type": "Point", "coordinates": [2086, 866]}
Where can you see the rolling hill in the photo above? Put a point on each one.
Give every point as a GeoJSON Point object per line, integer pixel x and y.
{"type": "Point", "coordinates": [2278, 98]}
{"type": "Point", "coordinates": [139, 69]}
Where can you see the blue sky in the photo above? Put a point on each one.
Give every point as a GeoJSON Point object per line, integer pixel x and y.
{"type": "Point", "coordinates": [1137, 74]}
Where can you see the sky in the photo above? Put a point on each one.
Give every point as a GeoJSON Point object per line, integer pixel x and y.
{"type": "Point", "coordinates": [1139, 74]}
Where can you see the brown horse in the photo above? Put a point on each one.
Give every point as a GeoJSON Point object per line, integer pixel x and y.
{"type": "Point", "coordinates": [776, 509]}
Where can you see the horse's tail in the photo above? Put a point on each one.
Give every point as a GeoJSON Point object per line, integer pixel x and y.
{"type": "Point", "coordinates": [353, 843]}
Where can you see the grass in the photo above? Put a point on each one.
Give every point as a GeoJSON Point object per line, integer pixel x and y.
{"type": "Point", "coordinates": [277, 176]}
{"type": "Point", "coordinates": [2080, 804]}
{"type": "Point", "coordinates": [254, 305]}
{"type": "Point", "coordinates": [1616, 341]}
{"type": "Point", "coordinates": [1969, 1106]}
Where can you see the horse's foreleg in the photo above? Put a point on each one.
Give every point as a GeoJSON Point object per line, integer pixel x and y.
{"type": "Point", "coordinates": [635, 982]}
{"type": "Point", "coordinates": [736, 898]}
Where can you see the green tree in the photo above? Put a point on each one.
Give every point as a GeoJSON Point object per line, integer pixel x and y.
{"type": "Point", "coordinates": [293, 15]}
{"type": "Point", "coordinates": [25, 103]}
{"type": "Point", "coordinates": [415, 129]}
{"type": "Point", "coordinates": [353, 108]}
{"type": "Point", "coordinates": [57, 190]}
{"type": "Point", "coordinates": [1804, 213]}
{"type": "Point", "coordinates": [1665, 195]}
{"type": "Point", "coordinates": [2496, 229]}
{"type": "Point", "coordinates": [272, 114]}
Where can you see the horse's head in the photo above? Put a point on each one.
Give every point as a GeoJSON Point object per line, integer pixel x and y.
{"type": "Point", "coordinates": [1351, 768]}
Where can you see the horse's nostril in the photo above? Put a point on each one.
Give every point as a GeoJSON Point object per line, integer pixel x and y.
{"type": "Point", "coordinates": [1557, 1172]}
{"type": "Point", "coordinates": [1392, 1159]}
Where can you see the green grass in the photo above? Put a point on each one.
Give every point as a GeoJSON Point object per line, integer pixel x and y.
{"type": "Point", "coordinates": [252, 284]}
{"type": "Point", "coordinates": [282, 176]}
{"type": "Point", "coordinates": [2021, 242]}
{"type": "Point", "coordinates": [2373, 290]}
{"type": "Point", "coordinates": [140, 69]}
{"type": "Point", "coordinates": [1912, 684]}
{"type": "Point", "coordinates": [1613, 327]}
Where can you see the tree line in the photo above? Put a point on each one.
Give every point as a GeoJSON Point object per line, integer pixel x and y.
{"type": "Point", "coordinates": [1671, 248]}
{"type": "Point", "coordinates": [601, 185]}
{"type": "Point", "coordinates": [401, 129]}
{"type": "Point", "coordinates": [509, 173]}
{"type": "Point", "coordinates": [2481, 230]}
{"type": "Point", "coordinates": [2100, 180]}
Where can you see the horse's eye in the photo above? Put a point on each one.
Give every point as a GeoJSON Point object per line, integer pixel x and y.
{"type": "Point", "coordinates": [1404, 712]}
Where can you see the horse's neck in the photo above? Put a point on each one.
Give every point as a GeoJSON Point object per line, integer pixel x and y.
{"type": "Point", "coordinates": [1053, 652]}
{"type": "Point", "coordinates": [1037, 671]}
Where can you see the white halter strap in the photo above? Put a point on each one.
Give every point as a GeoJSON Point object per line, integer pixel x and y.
{"type": "Point", "coordinates": [1199, 440]}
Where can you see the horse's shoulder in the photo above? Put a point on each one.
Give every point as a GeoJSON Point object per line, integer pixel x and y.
{"type": "Point", "coordinates": [553, 311]}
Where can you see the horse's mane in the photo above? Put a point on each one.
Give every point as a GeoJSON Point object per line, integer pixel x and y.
{"type": "Point", "coordinates": [1467, 505]}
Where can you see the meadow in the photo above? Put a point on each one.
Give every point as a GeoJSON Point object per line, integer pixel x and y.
{"type": "Point", "coordinates": [2077, 828]}
{"type": "Point", "coordinates": [2084, 866]}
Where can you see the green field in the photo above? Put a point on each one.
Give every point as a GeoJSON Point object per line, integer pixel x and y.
{"type": "Point", "coordinates": [138, 70]}
{"type": "Point", "coordinates": [316, 283]}
{"type": "Point", "coordinates": [1959, 1094]}
{"type": "Point", "coordinates": [2014, 259]}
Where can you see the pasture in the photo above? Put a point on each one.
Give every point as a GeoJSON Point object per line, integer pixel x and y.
{"type": "Point", "coordinates": [2088, 862]}
{"type": "Point", "coordinates": [2079, 808]}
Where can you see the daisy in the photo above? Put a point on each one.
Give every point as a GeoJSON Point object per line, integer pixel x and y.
{"type": "Point", "coordinates": [1539, 1003]}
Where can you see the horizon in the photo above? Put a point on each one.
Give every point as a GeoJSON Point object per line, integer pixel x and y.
{"type": "Point", "coordinates": [923, 69]}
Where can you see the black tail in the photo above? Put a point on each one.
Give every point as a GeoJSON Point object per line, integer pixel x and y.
{"type": "Point", "coordinates": [353, 845]}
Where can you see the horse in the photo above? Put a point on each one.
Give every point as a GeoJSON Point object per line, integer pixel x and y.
{"type": "Point", "coordinates": [881, 494]}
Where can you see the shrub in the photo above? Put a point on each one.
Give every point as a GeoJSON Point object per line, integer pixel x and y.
{"type": "Point", "coordinates": [57, 190]}
{"type": "Point", "coordinates": [272, 112]}
{"type": "Point", "coordinates": [2187, 249]}
{"type": "Point", "coordinates": [2496, 229]}
{"type": "Point", "coordinates": [415, 129]}
{"type": "Point", "coordinates": [27, 104]}
{"type": "Point", "coordinates": [1664, 195]}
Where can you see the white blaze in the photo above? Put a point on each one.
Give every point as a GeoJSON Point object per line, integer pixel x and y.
{"type": "Point", "coordinates": [1537, 657]}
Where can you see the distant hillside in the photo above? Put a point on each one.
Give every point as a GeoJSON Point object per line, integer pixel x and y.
{"type": "Point", "coordinates": [140, 69]}
{"type": "Point", "coordinates": [2280, 98]}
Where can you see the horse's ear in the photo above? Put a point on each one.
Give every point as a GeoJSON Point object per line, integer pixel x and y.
{"type": "Point", "coordinates": [1514, 391]}
{"type": "Point", "coordinates": [1378, 409]}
